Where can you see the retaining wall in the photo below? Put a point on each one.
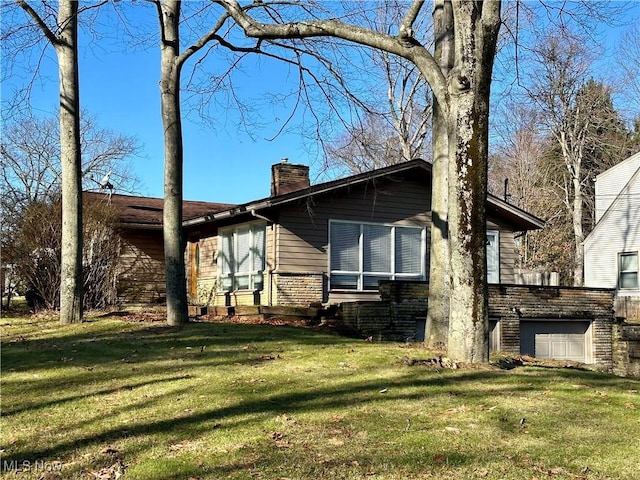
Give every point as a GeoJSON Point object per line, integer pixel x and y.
{"type": "Point", "coordinates": [399, 316]}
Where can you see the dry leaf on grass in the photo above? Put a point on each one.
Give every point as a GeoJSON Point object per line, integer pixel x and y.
{"type": "Point", "coordinates": [460, 409]}
{"type": "Point", "coordinates": [184, 445]}
{"type": "Point", "coordinates": [114, 472]}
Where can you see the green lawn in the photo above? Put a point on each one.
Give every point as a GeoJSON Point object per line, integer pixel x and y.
{"type": "Point", "coordinates": [223, 400]}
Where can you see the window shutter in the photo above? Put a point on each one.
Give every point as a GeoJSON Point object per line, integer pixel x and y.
{"type": "Point", "coordinates": [376, 245]}
{"type": "Point", "coordinates": [408, 255]}
{"type": "Point", "coordinates": [344, 247]}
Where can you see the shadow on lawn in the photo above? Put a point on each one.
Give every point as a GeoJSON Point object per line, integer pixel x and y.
{"type": "Point", "coordinates": [89, 355]}
{"type": "Point", "coordinates": [88, 351]}
{"type": "Point", "coordinates": [146, 341]}
{"type": "Point", "coordinates": [453, 388]}
{"type": "Point", "coordinates": [255, 410]}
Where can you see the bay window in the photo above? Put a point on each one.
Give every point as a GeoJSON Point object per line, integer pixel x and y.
{"type": "Point", "coordinates": [363, 253]}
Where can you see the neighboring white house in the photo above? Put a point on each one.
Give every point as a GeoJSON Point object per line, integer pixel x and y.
{"type": "Point", "coordinates": [612, 249]}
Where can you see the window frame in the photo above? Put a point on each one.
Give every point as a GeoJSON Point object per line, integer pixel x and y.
{"type": "Point", "coordinates": [494, 281]}
{"type": "Point", "coordinates": [635, 272]}
{"type": "Point", "coordinates": [254, 277]}
{"type": "Point", "coordinates": [360, 276]}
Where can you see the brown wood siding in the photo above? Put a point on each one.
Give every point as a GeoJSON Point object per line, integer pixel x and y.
{"type": "Point", "coordinates": [508, 253]}
{"type": "Point", "coordinates": [208, 267]}
{"type": "Point", "coordinates": [302, 239]}
{"type": "Point", "coordinates": [141, 276]}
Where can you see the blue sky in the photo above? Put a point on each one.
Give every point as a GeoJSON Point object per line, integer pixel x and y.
{"type": "Point", "coordinates": [222, 162]}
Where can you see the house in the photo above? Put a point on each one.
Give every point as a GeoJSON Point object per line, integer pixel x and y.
{"type": "Point", "coordinates": [332, 242]}
{"type": "Point", "coordinates": [345, 241]}
{"type": "Point", "coordinates": [141, 275]}
{"type": "Point", "coordinates": [612, 248]}
{"type": "Point", "coordinates": [304, 244]}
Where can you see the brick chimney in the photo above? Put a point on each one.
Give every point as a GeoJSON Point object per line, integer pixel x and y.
{"type": "Point", "coordinates": [287, 177]}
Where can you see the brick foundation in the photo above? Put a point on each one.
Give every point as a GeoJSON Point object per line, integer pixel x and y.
{"type": "Point", "coordinates": [404, 305]}
{"type": "Point", "coordinates": [298, 288]}
{"type": "Point", "coordinates": [626, 349]}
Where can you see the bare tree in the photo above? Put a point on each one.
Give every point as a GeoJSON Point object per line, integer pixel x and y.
{"type": "Point", "coordinates": [30, 161]}
{"type": "Point", "coordinates": [31, 164]}
{"type": "Point", "coordinates": [437, 324]}
{"type": "Point", "coordinates": [390, 131]}
{"type": "Point", "coordinates": [172, 59]}
{"type": "Point", "coordinates": [61, 32]}
{"type": "Point", "coordinates": [573, 114]}
{"type": "Point", "coordinates": [30, 180]}
{"type": "Point", "coordinates": [34, 251]}
{"type": "Point", "coordinates": [463, 104]}
{"type": "Point", "coordinates": [515, 167]}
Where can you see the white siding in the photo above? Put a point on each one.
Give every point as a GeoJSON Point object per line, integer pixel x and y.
{"type": "Point", "coordinates": [618, 230]}
{"type": "Point", "coordinates": [609, 184]}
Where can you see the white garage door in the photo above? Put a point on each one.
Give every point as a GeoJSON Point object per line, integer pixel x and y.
{"type": "Point", "coordinates": [559, 340]}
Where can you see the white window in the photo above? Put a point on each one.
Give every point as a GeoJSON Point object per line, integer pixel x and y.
{"type": "Point", "coordinates": [493, 256]}
{"type": "Point", "coordinates": [241, 254]}
{"type": "Point", "coordinates": [363, 253]}
{"type": "Point", "coordinates": [628, 270]}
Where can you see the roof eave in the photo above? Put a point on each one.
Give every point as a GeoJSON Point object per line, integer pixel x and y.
{"type": "Point", "coordinates": [306, 192]}
{"type": "Point", "coordinates": [524, 219]}
{"type": "Point", "coordinates": [139, 226]}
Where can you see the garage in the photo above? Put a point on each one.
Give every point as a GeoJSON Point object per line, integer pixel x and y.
{"type": "Point", "coordinates": [559, 340]}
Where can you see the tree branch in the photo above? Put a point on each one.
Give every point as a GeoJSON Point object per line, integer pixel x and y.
{"type": "Point", "coordinates": [416, 52]}
{"type": "Point", "coordinates": [406, 26]}
{"type": "Point", "coordinates": [39, 22]}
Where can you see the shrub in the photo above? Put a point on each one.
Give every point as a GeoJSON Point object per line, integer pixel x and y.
{"type": "Point", "coordinates": [34, 250]}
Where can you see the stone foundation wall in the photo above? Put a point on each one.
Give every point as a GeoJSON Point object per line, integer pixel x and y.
{"type": "Point", "coordinates": [626, 349]}
{"type": "Point", "coordinates": [550, 302]}
{"type": "Point", "coordinates": [380, 321]}
{"type": "Point", "coordinates": [404, 305]}
{"type": "Point", "coordinates": [511, 303]}
{"type": "Point", "coordinates": [298, 288]}
{"type": "Point", "coordinates": [395, 317]}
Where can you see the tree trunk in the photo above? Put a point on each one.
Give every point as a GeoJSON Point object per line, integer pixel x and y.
{"type": "Point", "coordinates": [174, 245]}
{"type": "Point", "coordinates": [71, 264]}
{"type": "Point", "coordinates": [578, 232]}
{"type": "Point", "coordinates": [437, 325]}
{"type": "Point", "coordinates": [476, 30]}
{"type": "Point", "coordinates": [464, 93]}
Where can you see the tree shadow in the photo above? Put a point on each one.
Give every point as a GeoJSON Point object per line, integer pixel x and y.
{"type": "Point", "coordinates": [179, 351]}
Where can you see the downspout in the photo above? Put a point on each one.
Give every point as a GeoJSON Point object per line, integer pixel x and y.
{"type": "Point", "coordinates": [269, 272]}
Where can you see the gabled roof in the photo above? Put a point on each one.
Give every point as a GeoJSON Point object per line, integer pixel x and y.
{"type": "Point", "coordinates": [274, 201]}
{"type": "Point", "coordinates": [621, 165]}
{"type": "Point", "coordinates": [621, 197]}
{"type": "Point", "coordinates": [146, 212]}
{"type": "Point", "coordinates": [517, 216]}
{"type": "Point", "coordinates": [520, 218]}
